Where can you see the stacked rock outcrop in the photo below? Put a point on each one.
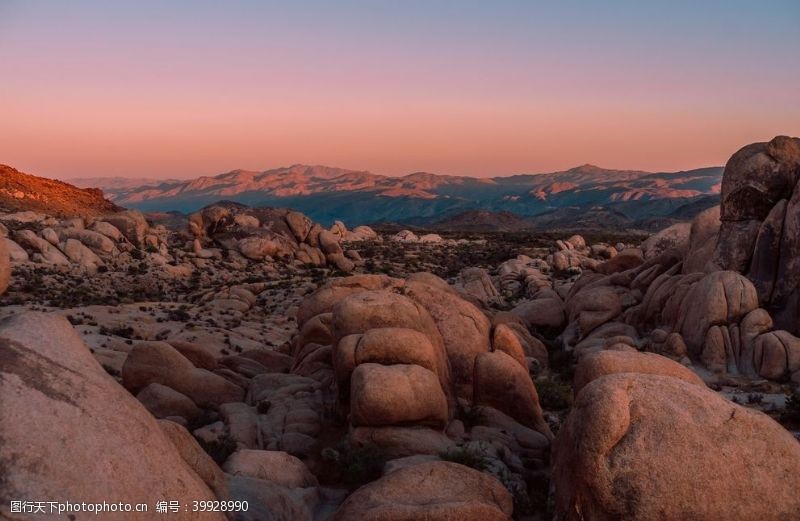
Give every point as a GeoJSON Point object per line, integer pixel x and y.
{"type": "Point", "coordinates": [258, 234]}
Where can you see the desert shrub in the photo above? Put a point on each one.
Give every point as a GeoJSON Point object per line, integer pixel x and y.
{"type": "Point", "coordinates": [356, 466]}
{"type": "Point", "coordinates": [120, 331]}
{"type": "Point", "coordinates": [466, 457]}
{"type": "Point", "coordinates": [537, 496]}
{"type": "Point", "coordinates": [791, 413]}
{"type": "Point", "coordinates": [471, 416]}
{"type": "Point", "coordinates": [179, 315]}
{"type": "Point", "coordinates": [754, 399]}
{"type": "Point", "coordinates": [554, 394]}
{"type": "Point", "coordinates": [562, 363]}
{"type": "Point", "coordinates": [219, 449]}
{"type": "Point", "coordinates": [110, 370]}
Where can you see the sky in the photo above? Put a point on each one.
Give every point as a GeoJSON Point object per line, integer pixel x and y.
{"type": "Point", "coordinates": [176, 89]}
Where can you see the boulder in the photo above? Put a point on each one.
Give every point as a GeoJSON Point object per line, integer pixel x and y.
{"type": "Point", "coordinates": [50, 236]}
{"type": "Point", "coordinates": [464, 329]}
{"type": "Point", "coordinates": [388, 346]}
{"type": "Point", "coordinates": [675, 237]}
{"type": "Point", "coordinates": [721, 297]}
{"type": "Point", "coordinates": [131, 224]}
{"type": "Point", "coordinates": [702, 241]}
{"type": "Point", "coordinates": [405, 236]}
{"type": "Point", "coordinates": [593, 307]}
{"type": "Point", "coordinates": [505, 339]}
{"type": "Point", "coordinates": [626, 259]}
{"type": "Point", "coordinates": [755, 178]}
{"type": "Point", "coordinates": [81, 255]}
{"type": "Point", "coordinates": [399, 442]}
{"type": "Point", "coordinates": [164, 402]}
{"type": "Point", "coordinates": [5, 266]}
{"type": "Point", "coordinates": [431, 238]}
{"type": "Point", "coordinates": [49, 254]}
{"type": "Point", "coordinates": [776, 354]}
{"type": "Point", "coordinates": [242, 423]}
{"type": "Point", "coordinates": [595, 365]}
{"type": "Point", "coordinates": [543, 313]}
{"type": "Point", "coordinates": [500, 382]}
{"type": "Point", "coordinates": [258, 248]}
{"type": "Point", "coordinates": [395, 395]}
{"type": "Point", "coordinates": [15, 252]}
{"type": "Point", "coordinates": [194, 456]}
{"type": "Point", "coordinates": [341, 262]}
{"type": "Point", "coordinates": [197, 355]}
{"type": "Point", "coordinates": [102, 444]}
{"type": "Point", "coordinates": [270, 465]}
{"type": "Point", "coordinates": [270, 502]}
{"type": "Point", "coordinates": [107, 229]}
{"type": "Point", "coordinates": [329, 243]}
{"type": "Point", "coordinates": [432, 490]}
{"type": "Point", "coordinates": [392, 345]}
{"type": "Point", "coordinates": [159, 362]}
{"type": "Point", "coordinates": [95, 241]}
{"type": "Point", "coordinates": [362, 233]}
{"type": "Point", "coordinates": [324, 299]}
{"type": "Point", "coordinates": [360, 312]}
{"type": "Point", "coordinates": [644, 447]}
{"type": "Point", "coordinates": [577, 242]}
{"type": "Point", "coordinates": [299, 224]}
{"type": "Point", "coordinates": [477, 283]}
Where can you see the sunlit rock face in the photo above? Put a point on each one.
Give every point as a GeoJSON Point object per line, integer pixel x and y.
{"type": "Point", "coordinates": [760, 215]}
{"type": "Point", "coordinates": [643, 447]}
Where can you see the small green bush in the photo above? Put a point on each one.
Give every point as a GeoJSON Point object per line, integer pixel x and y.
{"type": "Point", "coordinates": [219, 449]}
{"type": "Point", "coordinates": [554, 394]}
{"type": "Point", "coordinates": [356, 466]}
{"type": "Point", "coordinates": [791, 413]}
{"type": "Point", "coordinates": [465, 457]}
{"type": "Point", "coordinates": [471, 416]}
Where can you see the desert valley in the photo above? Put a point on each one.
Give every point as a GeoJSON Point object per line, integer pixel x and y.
{"type": "Point", "coordinates": [399, 261]}
{"type": "Point", "coordinates": [306, 344]}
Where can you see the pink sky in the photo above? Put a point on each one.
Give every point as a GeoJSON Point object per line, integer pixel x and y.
{"type": "Point", "coordinates": [177, 92]}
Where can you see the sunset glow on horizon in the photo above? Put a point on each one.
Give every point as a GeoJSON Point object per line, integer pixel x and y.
{"type": "Point", "coordinates": [183, 89]}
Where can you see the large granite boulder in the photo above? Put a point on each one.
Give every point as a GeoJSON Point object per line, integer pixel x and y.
{"type": "Point", "coordinates": [70, 432]}
{"type": "Point", "coordinates": [644, 447]}
{"type": "Point", "coordinates": [434, 490]}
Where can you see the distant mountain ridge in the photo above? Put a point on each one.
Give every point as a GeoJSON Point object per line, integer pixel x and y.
{"type": "Point", "coordinates": [361, 197]}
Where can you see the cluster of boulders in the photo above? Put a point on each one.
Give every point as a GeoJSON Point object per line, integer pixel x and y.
{"type": "Point", "coordinates": [573, 255]}
{"type": "Point", "coordinates": [760, 225]}
{"type": "Point", "coordinates": [258, 234]}
{"type": "Point", "coordinates": [89, 243]}
{"type": "Point", "coordinates": [405, 358]}
{"type": "Point", "coordinates": [733, 299]}
{"type": "Point", "coordinates": [232, 233]}
{"type": "Point", "coordinates": [525, 276]}
{"type": "Point", "coordinates": [407, 236]}
{"type": "Point", "coordinates": [714, 295]}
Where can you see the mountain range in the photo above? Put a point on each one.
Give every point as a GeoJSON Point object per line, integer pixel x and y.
{"type": "Point", "coordinates": [584, 196]}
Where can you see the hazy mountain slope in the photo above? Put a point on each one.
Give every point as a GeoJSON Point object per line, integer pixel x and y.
{"type": "Point", "coordinates": [118, 183]}
{"type": "Point", "coordinates": [20, 191]}
{"type": "Point", "coordinates": [326, 193]}
{"type": "Point", "coordinates": [482, 221]}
